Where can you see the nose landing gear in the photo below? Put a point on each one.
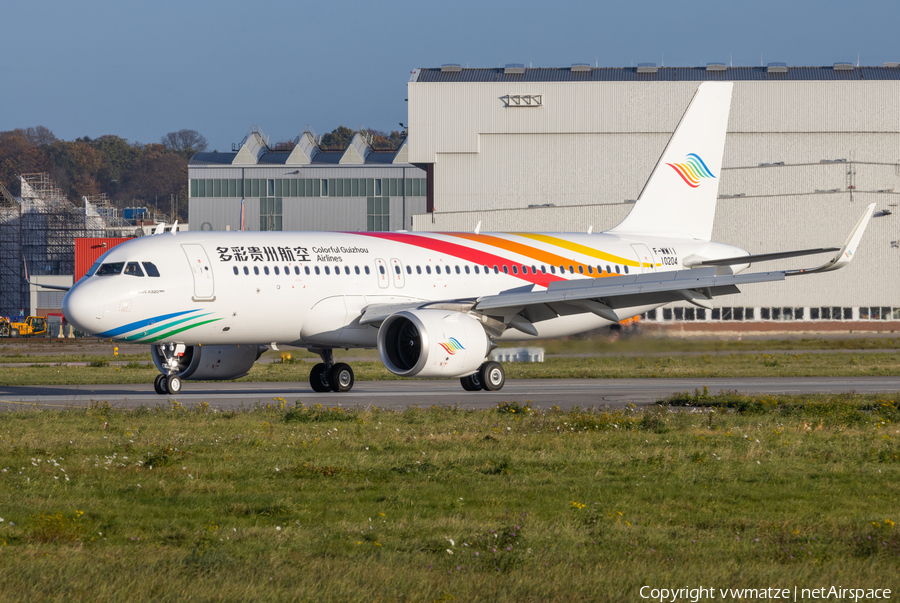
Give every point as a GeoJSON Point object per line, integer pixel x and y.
{"type": "Point", "coordinates": [327, 376]}
{"type": "Point", "coordinates": [164, 384]}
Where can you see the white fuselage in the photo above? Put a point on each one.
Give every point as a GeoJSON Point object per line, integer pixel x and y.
{"type": "Point", "coordinates": [309, 289]}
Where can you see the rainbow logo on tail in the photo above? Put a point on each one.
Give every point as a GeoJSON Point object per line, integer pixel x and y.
{"type": "Point", "coordinates": [452, 346]}
{"type": "Point", "coordinates": [692, 170]}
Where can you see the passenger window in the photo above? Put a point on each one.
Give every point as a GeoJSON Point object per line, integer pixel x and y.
{"type": "Point", "coordinates": [524, 269]}
{"type": "Point", "coordinates": [626, 269]}
{"type": "Point", "coordinates": [599, 269]}
{"type": "Point", "coordinates": [476, 270]}
{"type": "Point", "coordinates": [543, 269]}
{"type": "Point", "coordinates": [457, 270]}
{"type": "Point", "coordinates": [356, 269]}
{"type": "Point", "coordinates": [337, 270]}
{"type": "Point", "coordinates": [306, 269]}
{"type": "Point", "coordinates": [467, 270]}
{"type": "Point", "coordinates": [256, 270]}
{"type": "Point", "coordinates": [418, 270]}
{"type": "Point", "coordinates": [553, 269]}
{"type": "Point", "coordinates": [428, 269]}
{"type": "Point", "coordinates": [580, 269]}
{"type": "Point", "coordinates": [235, 269]}
{"type": "Point", "coordinates": [287, 270]}
{"type": "Point", "coordinates": [134, 269]}
{"type": "Point", "coordinates": [246, 270]}
{"type": "Point", "coordinates": [381, 269]}
{"type": "Point", "coordinates": [111, 269]}
{"type": "Point", "coordinates": [590, 270]}
{"type": "Point", "coordinates": [297, 270]}
{"type": "Point", "coordinates": [266, 270]}
{"type": "Point", "coordinates": [437, 269]}
{"type": "Point", "coordinates": [617, 269]}
{"type": "Point", "coordinates": [366, 268]}
{"type": "Point", "coordinates": [150, 269]}
{"type": "Point", "coordinates": [608, 269]}
{"type": "Point", "coordinates": [515, 269]}
{"type": "Point", "coordinates": [409, 270]}
{"type": "Point", "coordinates": [277, 272]}
{"type": "Point", "coordinates": [327, 270]}
{"type": "Point", "coordinates": [317, 270]}
{"type": "Point", "coordinates": [346, 269]}
{"type": "Point", "coordinates": [496, 270]}
{"type": "Point", "coordinates": [505, 269]}
{"type": "Point", "coordinates": [533, 269]}
{"type": "Point", "coordinates": [397, 269]}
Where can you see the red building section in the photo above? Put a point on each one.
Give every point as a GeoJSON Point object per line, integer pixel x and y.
{"type": "Point", "coordinates": [88, 250]}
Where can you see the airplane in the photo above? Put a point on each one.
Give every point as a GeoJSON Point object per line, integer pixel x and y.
{"type": "Point", "coordinates": [433, 304]}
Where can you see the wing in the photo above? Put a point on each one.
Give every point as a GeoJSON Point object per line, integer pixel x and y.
{"type": "Point", "coordinates": [520, 308]}
{"type": "Point", "coordinates": [604, 296]}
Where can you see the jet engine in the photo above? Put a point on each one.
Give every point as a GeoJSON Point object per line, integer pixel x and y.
{"type": "Point", "coordinates": [432, 343]}
{"type": "Point", "coordinates": [206, 362]}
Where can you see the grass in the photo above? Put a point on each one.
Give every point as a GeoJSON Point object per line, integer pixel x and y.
{"type": "Point", "coordinates": [840, 364]}
{"type": "Point", "coordinates": [287, 502]}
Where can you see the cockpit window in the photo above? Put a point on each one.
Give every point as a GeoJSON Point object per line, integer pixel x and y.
{"type": "Point", "coordinates": [133, 269]}
{"type": "Point", "coordinates": [110, 268]}
{"type": "Point", "coordinates": [93, 268]}
{"type": "Point", "coordinates": [150, 267]}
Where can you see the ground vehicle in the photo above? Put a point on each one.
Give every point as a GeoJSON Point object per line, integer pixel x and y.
{"type": "Point", "coordinates": [32, 325]}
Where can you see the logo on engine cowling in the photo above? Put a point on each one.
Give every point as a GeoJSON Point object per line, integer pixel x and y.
{"type": "Point", "coordinates": [452, 346]}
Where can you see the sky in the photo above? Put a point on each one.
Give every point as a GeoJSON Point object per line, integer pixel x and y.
{"type": "Point", "coordinates": [142, 69]}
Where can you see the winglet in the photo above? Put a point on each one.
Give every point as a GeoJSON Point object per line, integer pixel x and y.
{"type": "Point", "coordinates": [160, 228]}
{"type": "Point", "coordinates": [845, 255]}
{"type": "Point", "coordinates": [478, 227]}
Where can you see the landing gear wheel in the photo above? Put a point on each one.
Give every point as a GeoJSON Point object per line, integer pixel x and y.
{"type": "Point", "coordinates": [471, 383]}
{"type": "Point", "coordinates": [318, 378]}
{"type": "Point", "coordinates": [159, 385]}
{"type": "Point", "coordinates": [340, 377]}
{"type": "Point", "coordinates": [492, 376]}
{"type": "Point", "coordinates": [173, 384]}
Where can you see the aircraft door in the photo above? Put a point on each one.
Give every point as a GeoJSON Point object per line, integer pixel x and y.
{"type": "Point", "coordinates": [397, 273]}
{"type": "Point", "coordinates": [201, 270]}
{"type": "Point", "coordinates": [645, 257]}
{"type": "Point", "coordinates": [381, 271]}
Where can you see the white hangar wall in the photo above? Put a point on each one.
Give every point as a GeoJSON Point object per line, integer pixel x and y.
{"type": "Point", "coordinates": [579, 158]}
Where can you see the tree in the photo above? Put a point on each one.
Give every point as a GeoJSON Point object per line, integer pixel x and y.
{"type": "Point", "coordinates": [185, 142]}
{"type": "Point", "coordinates": [39, 135]}
{"type": "Point", "coordinates": [118, 156]}
{"type": "Point", "coordinates": [19, 156]}
{"type": "Point", "coordinates": [74, 166]}
{"type": "Point", "coordinates": [154, 175]}
{"type": "Point", "coordinates": [337, 140]}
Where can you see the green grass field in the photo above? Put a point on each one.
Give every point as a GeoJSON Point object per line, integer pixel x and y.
{"type": "Point", "coordinates": [288, 503]}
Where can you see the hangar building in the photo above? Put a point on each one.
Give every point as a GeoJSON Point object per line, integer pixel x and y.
{"type": "Point", "coordinates": [562, 149]}
{"type": "Point", "coordinates": [298, 186]}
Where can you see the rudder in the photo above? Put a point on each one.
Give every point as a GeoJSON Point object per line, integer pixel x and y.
{"type": "Point", "coordinates": [679, 198]}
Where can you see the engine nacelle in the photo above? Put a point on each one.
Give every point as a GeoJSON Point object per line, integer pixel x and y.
{"type": "Point", "coordinates": [432, 344]}
{"type": "Point", "coordinates": [208, 362]}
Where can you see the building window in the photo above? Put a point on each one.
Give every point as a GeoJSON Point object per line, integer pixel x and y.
{"type": "Point", "coordinates": [324, 189]}
{"type": "Point", "coordinates": [378, 214]}
{"type": "Point", "coordinates": [270, 213]}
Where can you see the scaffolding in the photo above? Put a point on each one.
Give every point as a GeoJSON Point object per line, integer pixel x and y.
{"type": "Point", "coordinates": [40, 227]}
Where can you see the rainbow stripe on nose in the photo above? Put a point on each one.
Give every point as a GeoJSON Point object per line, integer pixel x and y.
{"type": "Point", "coordinates": [692, 170]}
{"type": "Point", "coordinates": [452, 346]}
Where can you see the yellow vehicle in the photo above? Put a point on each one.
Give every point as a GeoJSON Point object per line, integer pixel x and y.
{"type": "Point", "coordinates": [32, 325]}
{"type": "Point", "coordinates": [4, 326]}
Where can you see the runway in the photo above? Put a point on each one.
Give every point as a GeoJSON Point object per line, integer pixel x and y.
{"type": "Point", "coordinates": [398, 395]}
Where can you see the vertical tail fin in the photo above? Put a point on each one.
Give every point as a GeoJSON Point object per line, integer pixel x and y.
{"type": "Point", "coordinates": [679, 199]}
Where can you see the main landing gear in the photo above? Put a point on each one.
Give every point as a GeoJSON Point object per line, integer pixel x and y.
{"type": "Point", "coordinates": [490, 376]}
{"type": "Point", "coordinates": [330, 377]}
{"type": "Point", "coordinates": [167, 384]}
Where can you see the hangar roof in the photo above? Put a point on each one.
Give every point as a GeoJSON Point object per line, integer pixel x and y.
{"type": "Point", "coordinates": [663, 74]}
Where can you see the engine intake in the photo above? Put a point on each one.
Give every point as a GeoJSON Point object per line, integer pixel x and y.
{"type": "Point", "coordinates": [432, 344]}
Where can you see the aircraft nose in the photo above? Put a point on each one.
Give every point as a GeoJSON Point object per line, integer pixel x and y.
{"type": "Point", "coordinates": [81, 310]}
